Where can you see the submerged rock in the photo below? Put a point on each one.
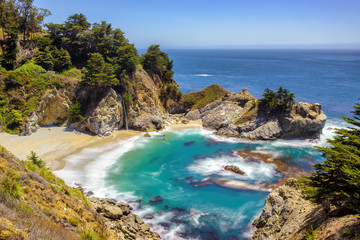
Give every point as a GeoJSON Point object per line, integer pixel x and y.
{"type": "Point", "coordinates": [157, 199]}
{"type": "Point", "coordinates": [189, 143]}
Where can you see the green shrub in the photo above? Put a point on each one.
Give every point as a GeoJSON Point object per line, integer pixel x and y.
{"type": "Point", "coordinates": [310, 234]}
{"type": "Point", "coordinates": [88, 235]}
{"type": "Point", "coordinates": [12, 120]}
{"type": "Point", "coordinates": [74, 221]}
{"type": "Point", "coordinates": [31, 69]}
{"type": "Point", "coordinates": [74, 72]}
{"type": "Point", "coordinates": [11, 186]}
{"type": "Point", "coordinates": [35, 159]}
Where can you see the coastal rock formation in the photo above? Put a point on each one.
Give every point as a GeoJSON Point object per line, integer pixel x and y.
{"type": "Point", "coordinates": [30, 125]}
{"type": "Point", "coordinates": [147, 112]}
{"type": "Point", "coordinates": [53, 107]}
{"type": "Point", "coordinates": [119, 218]}
{"type": "Point", "coordinates": [108, 115]}
{"type": "Point", "coordinates": [238, 115]}
{"type": "Point", "coordinates": [287, 215]}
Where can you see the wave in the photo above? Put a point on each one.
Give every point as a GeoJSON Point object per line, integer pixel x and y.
{"type": "Point", "coordinates": [90, 165]}
{"type": "Point", "coordinates": [254, 171]}
{"type": "Point", "coordinates": [203, 75]}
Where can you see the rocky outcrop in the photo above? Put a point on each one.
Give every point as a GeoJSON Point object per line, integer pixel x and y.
{"type": "Point", "coordinates": [287, 215]}
{"type": "Point", "coordinates": [306, 120]}
{"type": "Point", "coordinates": [147, 112]}
{"type": "Point", "coordinates": [107, 116]}
{"type": "Point", "coordinates": [238, 115]}
{"type": "Point", "coordinates": [53, 108]}
{"type": "Point", "coordinates": [120, 219]}
{"type": "Point", "coordinates": [30, 125]}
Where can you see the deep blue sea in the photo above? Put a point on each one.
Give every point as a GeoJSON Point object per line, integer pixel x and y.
{"type": "Point", "coordinates": [169, 176]}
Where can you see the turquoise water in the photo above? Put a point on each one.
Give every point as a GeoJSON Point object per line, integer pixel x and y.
{"type": "Point", "coordinates": [178, 168]}
{"type": "Point", "coordinates": [172, 164]}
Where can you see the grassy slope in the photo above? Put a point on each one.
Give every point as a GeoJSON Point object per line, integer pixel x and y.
{"type": "Point", "coordinates": [198, 100]}
{"type": "Point", "coordinates": [36, 204]}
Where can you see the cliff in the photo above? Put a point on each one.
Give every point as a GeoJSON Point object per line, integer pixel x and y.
{"type": "Point", "coordinates": [287, 215]}
{"type": "Point", "coordinates": [34, 204]}
{"type": "Point", "coordinates": [100, 111]}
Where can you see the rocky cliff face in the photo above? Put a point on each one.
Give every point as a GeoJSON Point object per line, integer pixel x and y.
{"type": "Point", "coordinates": [146, 112]}
{"type": "Point", "coordinates": [286, 215]}
{"type": "Point", "coordinates": [237, 115]}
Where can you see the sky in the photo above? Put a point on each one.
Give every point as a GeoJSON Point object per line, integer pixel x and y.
{"type": "Point", "coordinates": [222, 23]}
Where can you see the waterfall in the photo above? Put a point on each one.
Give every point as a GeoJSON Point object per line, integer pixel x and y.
{"type": "Point", "coordinates": [125, 114]}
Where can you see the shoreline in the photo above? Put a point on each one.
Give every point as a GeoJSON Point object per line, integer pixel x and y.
{"type": "Point", "coordinates": [54, 144]}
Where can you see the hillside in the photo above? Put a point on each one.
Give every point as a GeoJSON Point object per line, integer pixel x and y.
{"type": "Point", "coordinates": [34, 204]}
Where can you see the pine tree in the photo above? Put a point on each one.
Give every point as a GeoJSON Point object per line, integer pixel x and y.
{"type": "Point", "coordinates": [99, 73]}
{"type": "Point", "coordinates": [338, 178]}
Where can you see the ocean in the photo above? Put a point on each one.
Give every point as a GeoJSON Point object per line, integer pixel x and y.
{"type": "Point", "coordinates": [170, 176]}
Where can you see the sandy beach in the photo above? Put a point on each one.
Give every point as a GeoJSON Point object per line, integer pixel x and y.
{"type": "Point", "coordinates": [54, 144]}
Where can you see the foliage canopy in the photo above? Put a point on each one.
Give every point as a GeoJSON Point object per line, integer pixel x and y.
{"type": "Point", "coordinates": [277, 102]}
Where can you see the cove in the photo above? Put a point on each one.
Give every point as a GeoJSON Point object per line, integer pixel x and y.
{"type": "Point", "coordinates": [167, 178]}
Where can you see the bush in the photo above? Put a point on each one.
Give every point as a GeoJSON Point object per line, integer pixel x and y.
{"type": "Point", "coordinates": [88, 235]}
{"type": "Point", "coordinates": [11, 120]}
{"type": "Point", "coordinates": [36, 160]}
{"type": "Point", "coordinates": [11, 186]}
{"type": "Point", "coordinates": [31, 69]}
{"type": "Point", "coordinates": [74, 221]}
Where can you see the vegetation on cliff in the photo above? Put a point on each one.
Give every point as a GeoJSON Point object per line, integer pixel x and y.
{"type": "Point", "coordinates": [337, 179]}
{"type": "Point", "coordinates": [276, 102]}
{"type": "Point", "coordinates": [85, 60]}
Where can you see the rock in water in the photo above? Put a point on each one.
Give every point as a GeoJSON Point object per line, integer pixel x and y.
{"type": "Point", "coordinates": [189, 143]}
{"type": "Point", "coordinates": [157, 199]}
{"type": "Point", "coordinates": [234, 169]}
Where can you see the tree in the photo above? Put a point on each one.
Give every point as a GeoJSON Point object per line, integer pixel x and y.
{"type": "Point", "coordinates": [157, 62]}
{"type": "Point", "coordinates": [45, 59]}
{"type": "Point", "coordinates": [62, 59]}
{"type": "Point", "coordinates": [98, 73]}
{"type": "Point", "coordinates": [277, 102]}
{"type": "Point", "coordinates": [337, 179]}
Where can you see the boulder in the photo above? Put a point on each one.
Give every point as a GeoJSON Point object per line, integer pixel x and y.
{"type": "Point", "coordinates": [234, 169]}
{"type": "Point", "coordinates": [147, 123]}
